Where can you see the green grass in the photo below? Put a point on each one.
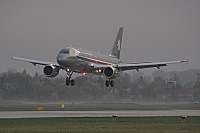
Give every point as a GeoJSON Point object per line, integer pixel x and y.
{"type": "Point", "coordinates": [96, 107]}
{"type": "Point", "coordinates": [102, 124]}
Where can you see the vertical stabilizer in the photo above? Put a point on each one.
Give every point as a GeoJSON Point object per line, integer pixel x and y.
{"type": "Point", "coordinates": [115, 52]}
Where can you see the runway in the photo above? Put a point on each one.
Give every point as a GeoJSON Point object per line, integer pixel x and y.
{"type": "Point", "coordinates": [124, 113]}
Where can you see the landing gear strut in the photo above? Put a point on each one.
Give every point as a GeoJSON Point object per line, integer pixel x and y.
{"type": "Point", "coordinates": [109, 82]}
{"type": "Point", "coordinates": [69, 80]}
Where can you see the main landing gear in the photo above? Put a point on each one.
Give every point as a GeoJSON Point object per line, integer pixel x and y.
{"type": "Point", "coordinates": [109, 82]}
{"type": "Point", "coordinates": [69, 80]}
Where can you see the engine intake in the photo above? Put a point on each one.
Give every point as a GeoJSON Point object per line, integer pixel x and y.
{"type": "Point", "coordinates": [51, 71]}
{"type": "Point", "coordinates": [110, 72]}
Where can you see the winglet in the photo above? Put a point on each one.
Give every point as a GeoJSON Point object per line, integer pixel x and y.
{"type": "Point", "coordinates": [185, 61]}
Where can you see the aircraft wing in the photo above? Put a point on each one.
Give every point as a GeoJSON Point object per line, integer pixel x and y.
{"type": "Point", "coordinates": [36, 62]}
{"type": "Point", "coordinates": [137, 66]}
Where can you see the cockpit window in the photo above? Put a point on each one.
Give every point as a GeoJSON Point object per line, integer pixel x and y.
{"type": "Point", "coordinates": [69, 51]}
{"type": "Point", "coordinates": [64, 51]}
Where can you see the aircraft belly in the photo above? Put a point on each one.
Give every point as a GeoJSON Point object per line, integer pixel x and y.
{"type": "Point", "coordinates": [78, 66]}
{"type": "Point", "coordinates": [70, 63]}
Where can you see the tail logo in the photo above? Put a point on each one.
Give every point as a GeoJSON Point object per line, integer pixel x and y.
{"type": "Point", "coordinates": [118, 44]}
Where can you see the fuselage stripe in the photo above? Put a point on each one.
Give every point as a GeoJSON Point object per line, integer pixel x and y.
{"type": "Point", "coordinates": [94, 60]}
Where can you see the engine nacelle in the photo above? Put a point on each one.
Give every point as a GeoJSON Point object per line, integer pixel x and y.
{"type": "Point", "coordinates": [110, 72]}
{"type": "Point", "coordinates": [51, 71]}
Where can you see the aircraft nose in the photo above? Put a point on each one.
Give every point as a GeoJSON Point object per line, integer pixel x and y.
{"type": "Point", "coordinates": [60, 58]}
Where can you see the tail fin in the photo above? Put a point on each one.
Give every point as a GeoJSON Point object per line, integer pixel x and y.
{"type": "Point", "coordinates": [117, 45]}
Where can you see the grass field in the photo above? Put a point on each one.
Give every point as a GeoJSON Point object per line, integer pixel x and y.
{"type": "Point", "coordinates": [102, 124]}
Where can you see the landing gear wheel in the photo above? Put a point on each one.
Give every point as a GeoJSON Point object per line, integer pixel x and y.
{"type": "Point", "coordinates": [111, 83]}
{"type": "Point", "coordinates": [107, 83]}
{"type": "Point", "coordinates": [72, 82]}
{"type": "Point", "coordinates": [67, 81]}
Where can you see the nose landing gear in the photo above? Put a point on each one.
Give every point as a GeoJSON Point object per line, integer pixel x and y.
{"type": "Point", "coordinates": [68, 79]}
{"type": "Point", "coordinates": [68, 82]}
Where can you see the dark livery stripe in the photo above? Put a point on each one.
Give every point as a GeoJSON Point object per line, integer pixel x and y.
{"type": "Point", "coordinates": [93, 60]}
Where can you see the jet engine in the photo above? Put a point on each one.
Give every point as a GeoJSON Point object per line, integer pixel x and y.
{"type": "Point", "coordinates": [51, 71]}
{"type": "Point", "coordinates": [110, 72]}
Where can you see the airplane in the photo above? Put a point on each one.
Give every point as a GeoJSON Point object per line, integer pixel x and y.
{"type": "Point", "coordinates": [82, 61]}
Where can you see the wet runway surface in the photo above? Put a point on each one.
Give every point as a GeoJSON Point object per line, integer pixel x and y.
{"type": "Point", "coordinates": [126, 113]}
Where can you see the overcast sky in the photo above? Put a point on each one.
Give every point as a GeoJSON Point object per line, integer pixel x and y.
{"type": "Point", "coordinates": [154, 30]}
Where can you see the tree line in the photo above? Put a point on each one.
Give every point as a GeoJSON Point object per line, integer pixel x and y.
{"type": "Point", "coordinates": [160, 86]}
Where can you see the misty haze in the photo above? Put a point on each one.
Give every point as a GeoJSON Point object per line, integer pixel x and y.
{"type": "Point", "coordinates": [153, 31]}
